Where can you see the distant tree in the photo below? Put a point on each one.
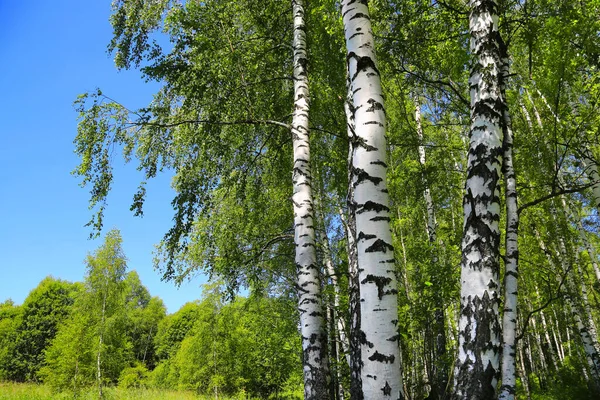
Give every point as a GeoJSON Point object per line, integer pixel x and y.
{"type": "Point", "coordinates": [10, 316]}
{"type": "Point", "coordinates": [143, 314]}
{"type": "Point", "coordinates": [44, 309]}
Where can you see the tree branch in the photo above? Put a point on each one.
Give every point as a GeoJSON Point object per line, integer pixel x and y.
{"type": "Point", "coordinates": [552, 195]}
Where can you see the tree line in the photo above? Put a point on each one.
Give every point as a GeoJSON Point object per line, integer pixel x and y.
{"type": "Point", "coordinates": [109, 331]}
{"type": "Point", "coordinates": [419, 136]}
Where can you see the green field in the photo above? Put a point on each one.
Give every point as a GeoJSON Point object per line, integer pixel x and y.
{"type": "Point", "coordinates": [28, 391]}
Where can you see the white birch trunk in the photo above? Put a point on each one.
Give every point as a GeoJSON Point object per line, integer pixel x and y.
{"type": "Point", "coordinates": [547, 333]}
{"type": "Point", "coordinates": [523, 372]}
{"type": "Point", "coordinates": [314, 337]}
{"type": "Point", "coordinates": [439, 371]}
{"type": "Point", "coordinates": [592, 355]}
{"type": "Point", "coordinates": [508, 389]}
{"type": "Point", "coordinates": [355, 364]}
{"type": "Point", "coordinates": [477, 366]}
{"type": "Point", "coordinates": [431, 221]}
{"type": "Point", "coordinates": [381, 371]}
{"type": "Point", "coordinates": [538, 341]}
{"type": "Point", "coordinates": [340, 341]}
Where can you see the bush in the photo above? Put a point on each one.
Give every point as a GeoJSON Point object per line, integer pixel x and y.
{"type": "Point", "coordinates": [134, 377]}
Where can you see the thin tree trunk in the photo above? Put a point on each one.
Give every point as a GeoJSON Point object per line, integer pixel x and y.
{"type": "Point", "coordinates": [439, 367]}
{"type": "Point", "coordinates": [477, 367]}
{"type": "Point", "coordinates": [508, 389]}
{"type": "Point", "coordinates": [590, 348]}
{"type": "Point", "coordinates": [546, 332]}
{"type": "Point", "coordinates": [338, 327]}
{"type": "Point", "coordinates": [523, 372]}
{"type": "Point", "coordinates": [314, 337]}
{"type": "Point", "coordinates": [381, 369]}
{"type": "Point", "coordinates": [356, 391]}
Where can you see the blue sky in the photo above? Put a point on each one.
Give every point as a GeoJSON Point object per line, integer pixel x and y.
{"type": "Point", "coordinates": [52, 51]}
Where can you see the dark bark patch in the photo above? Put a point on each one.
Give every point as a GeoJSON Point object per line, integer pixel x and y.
{"type": "Point", "coordinates": [365, 236]}
{"type": "Point", "coordinates": [380, 281]}
{"type": "Point", "coordinates": [379, 246]}
{"type": "Point", "coordinates": [371, 206]}
{"type": "Point", "coordinates": [387, 389]}
{"type": "Point", "coordinates": [377, 356]}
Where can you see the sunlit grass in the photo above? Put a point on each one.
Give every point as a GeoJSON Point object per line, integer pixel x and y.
{"type": "Point", "coordinates": [28, 391]}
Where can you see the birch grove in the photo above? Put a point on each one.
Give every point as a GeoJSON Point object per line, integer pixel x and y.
{"type": "Point", "coordinates": [396, 299]}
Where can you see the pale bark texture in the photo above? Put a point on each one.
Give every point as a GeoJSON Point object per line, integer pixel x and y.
{"type": "Point", "coordinates": [312, 326]}
{"type": "Point", "coordinates": [381, 370]}
{"type": "Point", "coordinates": [355, 361]}
{"type": "Point", "coordinates": [339, 340]}
{"type": "Point", "coordinates": [508, 389]}
{"type": "Point", "coordinates": [439, 369]}
{"type": "Point", "coordinates": [477, 365]}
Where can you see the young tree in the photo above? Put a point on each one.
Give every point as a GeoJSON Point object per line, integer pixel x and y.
{"type": "Point", "coordinates": [91, 345]}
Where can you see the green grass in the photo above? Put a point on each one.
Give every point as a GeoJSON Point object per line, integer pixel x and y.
{"type": "Point", "coordinates": [28, 391]}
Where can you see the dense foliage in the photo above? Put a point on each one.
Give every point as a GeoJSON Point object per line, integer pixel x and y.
{"type": "Point", "coordinates": [65, 333]}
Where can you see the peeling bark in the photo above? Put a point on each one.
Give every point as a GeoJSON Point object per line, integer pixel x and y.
{"type": "Point", "coordinates": [381, 369]}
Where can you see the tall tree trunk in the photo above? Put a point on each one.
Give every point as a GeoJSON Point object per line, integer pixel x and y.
{"type": "Point", "coordinates": [508, 389]}
{"type": "Point", "coordinates": [439, 367]}
{"type": "Point", "coordinates": [314, 336]}
{"type": "Point", "coordinates": [381, 369]}
{"type": "Point", "coordinates": [355, 364]}
{"type": "Point", "coordinates": [477, 366]}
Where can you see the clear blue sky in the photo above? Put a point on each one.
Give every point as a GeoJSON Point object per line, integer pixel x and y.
{"type": "Point", "coordinates": [50, 52]}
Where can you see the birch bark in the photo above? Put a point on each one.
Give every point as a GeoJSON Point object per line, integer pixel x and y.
{"type": "Point", "coordinates": [477, 366]}
{"type": "Point", "coordinates": [508, 389]}
{"type": "Point", "coordinates": [589, 345]}
{"type": "Point", "coordinates": [353, 279]}
{"type": "Point", "coordinates": [312, 328]}
{"type": "Point", "coordinates": [440, 369]}
{"type": "Point", "coordinates": [381, 370]}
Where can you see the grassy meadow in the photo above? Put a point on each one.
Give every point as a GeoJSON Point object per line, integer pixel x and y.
{"type": "Point", "coordinates": [29, 391]}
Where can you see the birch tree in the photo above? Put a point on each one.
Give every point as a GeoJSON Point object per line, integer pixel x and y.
{"type": "Point", "coordinates": [477, 366]}
{"type": "Point", "coordinates": [511, 274]}
{"type": "Point", "coordinates": [381, 369]}
{"type": "Point", "coordinates": [314, 337]}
